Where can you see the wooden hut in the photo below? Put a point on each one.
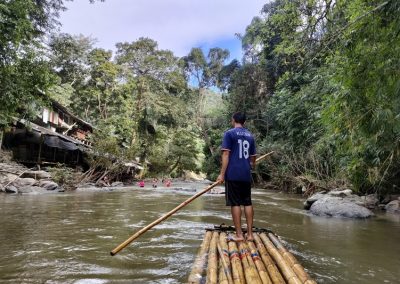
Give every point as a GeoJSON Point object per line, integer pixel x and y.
{"type": "Point", "coordinates": [54, 136]}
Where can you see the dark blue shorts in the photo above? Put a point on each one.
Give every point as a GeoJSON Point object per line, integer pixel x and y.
{"type": "Point", "coordinates": [237, 193]}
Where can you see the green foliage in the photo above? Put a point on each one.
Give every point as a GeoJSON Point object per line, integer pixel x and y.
{"type": "Point", "coordinates": [64, 176]}
{"type": "Point", "coordinates": [69, 57]}
{"type": "Point", "coordinates": [22, 83]}
{"type": "Point", "coordinates": [320, 81]}
{"type": "Point", "coordinates": [25, 73]}
{"type": "Point", "coordinates": [363, 114]}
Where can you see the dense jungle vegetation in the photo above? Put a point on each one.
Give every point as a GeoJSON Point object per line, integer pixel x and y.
{"type": "Point", "coordinates": [319, 82]}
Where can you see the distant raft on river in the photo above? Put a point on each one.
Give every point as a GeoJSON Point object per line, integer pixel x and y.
{"type": "Point", "coordinates": [264, 260]}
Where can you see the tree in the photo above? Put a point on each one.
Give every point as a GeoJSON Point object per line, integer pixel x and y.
{"type": "Point", "coordinates": [25, 73]}
{"type": "Point", "coordinates": [69, 57]}
{"type": "Point", "coordinates": [204, 70]}
{"type": "Point", "coordinates": [362, 116]}
{"type": "Point", "coordinates": [159, 92]}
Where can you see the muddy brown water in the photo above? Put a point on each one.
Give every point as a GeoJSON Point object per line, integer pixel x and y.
{"type": "Point", "coordinates": [66, 237]}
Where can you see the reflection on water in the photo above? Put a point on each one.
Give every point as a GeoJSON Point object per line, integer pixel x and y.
{"type": "Point", "coordinates": [66, 238]}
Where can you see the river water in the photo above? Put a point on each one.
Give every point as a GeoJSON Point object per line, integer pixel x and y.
{"type": "Point", "coordinates": [66, 237]}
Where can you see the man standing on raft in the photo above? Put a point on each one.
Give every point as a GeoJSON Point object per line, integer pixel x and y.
{"type": "Point", "coordinates": [238, 157]}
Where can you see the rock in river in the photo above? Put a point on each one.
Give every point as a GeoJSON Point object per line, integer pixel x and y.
{"type": "Point", "coordinates": [20, 182]}
{"type": "Point", "coordinates": [31, 190]}
{"type": "Point", "coordinates": [341, 193]}
{"type": "Point", "coordinates": [48, 184]}
{"type": "Point", "coordinates": [312, 199]}
{"type": "Point", "coordinates": [393, 206]}
{"type": "Point", "coordinates": [36, 175]}
{"type": "Point", "coordinates": [370, 201]}
{"type": "Point", "coordinates": [11, 189]}
{"type": "Point", "coordinates": [339, 207]}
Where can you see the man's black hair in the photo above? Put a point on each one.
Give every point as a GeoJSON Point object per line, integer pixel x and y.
{"type": "Point", "coordinates": [239, 117]}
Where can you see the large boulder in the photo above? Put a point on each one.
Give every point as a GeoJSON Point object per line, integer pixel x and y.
{"type": "Point", "coordinates": [312, 199]}
{"type": "Point", "coordinates": [393, 206]}
{"type": "Point", "coordinates": [11, 189]}
{"type": "Point", "coordinates": [48, 184]}
{"type": "Point", "coordinates": [5, 177]}
{"type": "Point", "coordinates": [370, 201]}
{"type": "Point", "coordinates": [20, 182]}
{"type": "Point", "coordinates": [31, 190]}
{"type": "Point", "coordinates": [341, 193]}
{"type": "Point", "coordinates": [394, 197]}
{"type": "Point", "coordinates": [117, 184]}
{"type": "Point", "coordinates": [36, 175]}
{"type": "Point", "coordinates": [339, 207]}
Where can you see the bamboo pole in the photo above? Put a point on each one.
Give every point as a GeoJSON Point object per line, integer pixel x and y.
{"type": "Point", "coordinates": [224, 256]}
{"type": "Point", "coordinates": [212, 267]}
{"type": "Point", "coordinates": [250, 270]}
{"type": "Point", "coordinates": [159, 220]}
{"type": "Point", "coordinates": [222, 276]}
{"type": "Point", "coordinates": [199, 263]}
{"type": "Point", "coordinates": [237, 269]}
{"type": "Point", "coordinates": [284, 267]}
{"type": "Point", "coordinates": [170, 213]}
{"type": "Point", "coordinates": [262, 271]}
{"type": "Point", "coordinates": [262, 157]}
{"type": "Point", "coordinates": [273, 271]}
{"type": "Point", "coordinates": [225, 275]}
{"type": "Point", "coordinates": [291, 260]}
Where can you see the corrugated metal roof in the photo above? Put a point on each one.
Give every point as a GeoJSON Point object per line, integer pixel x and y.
{"type": "Point", "coordinates": [49, 132]}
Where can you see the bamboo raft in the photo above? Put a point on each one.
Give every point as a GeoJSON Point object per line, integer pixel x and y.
{"type": "Point", "coordinates": [263, 261]}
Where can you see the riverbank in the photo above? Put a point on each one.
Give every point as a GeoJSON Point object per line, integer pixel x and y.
{"type": "Point", "coordinates": [18, 179]}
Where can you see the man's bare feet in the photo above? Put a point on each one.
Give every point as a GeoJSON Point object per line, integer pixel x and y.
{"type": "Point", "coordinates": [235, 238]}
{"type": "Point", "coordinates": [249, 237]}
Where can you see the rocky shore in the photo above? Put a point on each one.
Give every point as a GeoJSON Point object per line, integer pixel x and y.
{"type": "Point", "coordinates": [343, 203]}
{"type": "Point", "coordinates": [16, 178]}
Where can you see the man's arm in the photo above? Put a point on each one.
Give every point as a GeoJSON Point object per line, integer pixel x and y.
{"type": "Point", "coordinates": [253, 161]}
{"type": "Point", "coordinates": [225, 161]}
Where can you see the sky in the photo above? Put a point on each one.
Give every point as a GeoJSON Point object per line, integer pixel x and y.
{"type": "Point", "coordinates": [177, 25]}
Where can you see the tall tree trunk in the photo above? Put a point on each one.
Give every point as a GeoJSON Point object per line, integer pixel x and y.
{"type": "Point", "coordinates": [175, 165]}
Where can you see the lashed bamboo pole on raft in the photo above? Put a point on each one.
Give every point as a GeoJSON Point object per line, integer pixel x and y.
{"type": "Point", "coordinates": [236, 264]}
{"type": "Point", "coordinates": [198, 267]}
{"type": "Point", "coordinates": [224, 259]}
{"type": "Point", "coordinates": [250, 270]}
{"type": "Point", "coordinates": [292, 261]}
{"type": "Point", "coordinates": [222, 276]}
{"type": "Point", "coordinates": [170, 213]}
{"type": "Point", "coordinates": [225, 276]}
{"type": "Point", "coordinates": [262, 271]}
{"type": "Point", "coordinates": [286, 270]}
{"type": "Point", "coordinates": [273, 271]}
{"type": "Point", "coordinates": [212, 266]}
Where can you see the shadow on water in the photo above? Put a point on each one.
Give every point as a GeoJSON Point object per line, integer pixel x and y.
{"type": "Point", "coordinates": [66, 238]}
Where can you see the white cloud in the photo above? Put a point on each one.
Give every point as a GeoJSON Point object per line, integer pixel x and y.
{"type": "Point", "coordinates": [177, 25]}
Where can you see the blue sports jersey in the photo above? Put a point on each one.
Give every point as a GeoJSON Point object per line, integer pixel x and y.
{"type": "Point", "coordinates": [240, 142]}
